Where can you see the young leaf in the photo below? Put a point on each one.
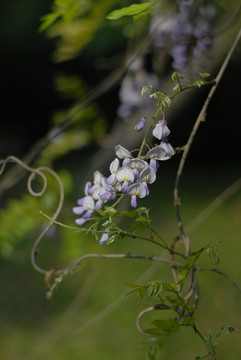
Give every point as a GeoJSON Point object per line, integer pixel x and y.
{"type": "Point", "coordinates": [131, 10]}
{"type": "Point", "coordinates": [48, 20]}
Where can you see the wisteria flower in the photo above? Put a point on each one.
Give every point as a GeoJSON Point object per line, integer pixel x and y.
{"type": "Point", "coordinates": [125, 175]}
{"type": "Point", "coordinates": [164, 151]}
{"type": "Point", "coordinates": [161, 130]}
{"type": "Point", "coordinates": [114, 166]}
{"type": "Point", "coordinates": [136, 190]}
{"type": "Point", "coordinates": [86, 207]}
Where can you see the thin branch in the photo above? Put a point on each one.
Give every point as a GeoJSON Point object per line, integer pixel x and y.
{"type": "Point", "coordinates": [200, 118]}
{"type": "Point", "coordinates": [116, 256]}
{"type": "Point", "coordinates": [220, 273]}
{"type": "Point", "coordinates": [145, 311]}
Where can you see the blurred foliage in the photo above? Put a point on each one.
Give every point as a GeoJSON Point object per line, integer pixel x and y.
{"type": "Point", "coordinates": [75, 23]}
{"type": "Point", "coordinates": [24, 214]}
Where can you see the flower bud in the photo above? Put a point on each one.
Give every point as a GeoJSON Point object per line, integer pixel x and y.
{"type": "Point", "coordinates": [140, 125]}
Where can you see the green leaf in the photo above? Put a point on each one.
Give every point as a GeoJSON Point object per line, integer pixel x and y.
{"type": "Point", "coordinates": [131, 10]}
{"type": "Point", "coordinates": [213, 254]}
{"type": "Point", "coordinates": [48, 20]}
{"type": "Point", "coordinates": [166, 326]}
{"type": "Point", "coordinates": [144, 13]}
{"type": "Point", "coordinates": [227, 329]}
{"type": "Point", "coordinates": [111, 211]}
{"type": "Point", "coordinates": [204, 75]}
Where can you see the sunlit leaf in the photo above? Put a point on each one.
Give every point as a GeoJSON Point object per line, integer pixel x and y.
{"type": "Point", "coordinates": [131, 10]}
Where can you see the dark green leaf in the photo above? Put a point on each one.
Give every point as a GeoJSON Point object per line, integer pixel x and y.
{"type": "Point", "coordinates": [166, 326]}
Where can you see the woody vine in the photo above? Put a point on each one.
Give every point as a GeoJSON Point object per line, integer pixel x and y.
{"type": "Point", "coordinates": [131, 174]}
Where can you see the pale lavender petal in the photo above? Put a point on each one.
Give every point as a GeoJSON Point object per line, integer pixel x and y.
{"type": "Point", "coordinates": [156, 153]}
{"type": "Point", "coordinates": [87, 186]}
{"type": "Point", "coordinates": [125, 162]}
{"type": "Point", "coordinates": [99, 191]}
{"type": "Point", "coordinates": [89, 203]}
{"type": "Point", "coordinates": [78, 210]}
{"type": "Point", "coordinates": [146, 187]}
{"type": "Point", "coordinates": [125, 174]}
{"type": "Point", "coordinates": [140, 125]}
{"type": "Point", "coordinates": [137, 164]}
{"type": "Point", "coordinates": [106, 196]}
{"type": "Point", "coordinates": [114, 166]}
{"type": "Point", "coordinates": [134, 201]}
{"type": "Point", "coordinates": [122, 153]}
{"type": "Point", "coordinates": [169, 152]}
{"type": "Point", "coordinates": [154, 164]}
{"type": "Point", "coordinates": [97, 177]}
{"type": "Point", "coordinates": [148, 175]}
{"type": "Point", "coordinates": [137, 189]}
{"type": "Point", "coordinates": [125, 187]}
{"type": "Point", "coordinates": [92, 189]}
{"type": "Point", "coordinates": [99, 204]}
{"type": "Point", "coordinates": [104, 238]}
{"type": "Point", "coordinates": [111, 180]}
{"type": "Point", "coordinates": [161, 130]}
{"type": "Point", "coordinates": [80, 221]}
{"type": "Point", "coordinates": [81, 201]}
{"type": "Point", "coordinates": [87, 215]}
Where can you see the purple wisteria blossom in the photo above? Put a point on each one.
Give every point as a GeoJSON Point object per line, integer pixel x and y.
{"type": "Point", "coordinates": [128, 175]}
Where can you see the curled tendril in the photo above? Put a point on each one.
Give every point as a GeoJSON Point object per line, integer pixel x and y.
{"type": "Point", "coordinates": [145, 311]}
{"type": "Point", "coordinates": [34, 172]}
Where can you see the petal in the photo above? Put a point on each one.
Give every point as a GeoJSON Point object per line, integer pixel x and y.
{"type": "Point", "coordinates": [87, 186]}
{"type": "Point", "coordinates": [104, 238]}
{"type": "Point", "coordinates": [99, 204]}
{"type": "Point", "coordinates": [106, 196]}
{"type": "Point", "coordinates": [111, 180]}
{"type": "Point", "coordinates": [137, 189]}
{"type": "Point", "coordinates": [97, 177]}
{"type": "Point", "coordinates": [156, 153]}
{"type": "Point", "coordinates": [87, 215]}
{"type": "Point", "coordinates": [154, 164]}
{"type": "Point", "coordinates": [161, 130]}
{"type": "Point", "coordinates": [78, 210]}
{"type": "Point", "coordinates": [148, 175]}
{"type": "Point", "coordinates": [125, 187]}
{"type": "Point", "coordinates": [169, 152]}
{"type": "Point", "coordinates": [99, 191]}
{"type": "Point", "coordinates": [125, 174]}
{"type": "Point", "coordinates": [114, 166]}
{"type": "Point", "coordinates": [80, 221]}
{"type": "Point", "coordinates": [140, 125]}
{"type": "Point", "coordinates": [134, 201]}
{"type": "Point", "coordinates": [89, 203]}
{"type": "Point", "coordinates": [137, 164]}
{"type": "Point", "coordinates": [122, 153]}
{"type": "Point", "coordinates": [81, 201]}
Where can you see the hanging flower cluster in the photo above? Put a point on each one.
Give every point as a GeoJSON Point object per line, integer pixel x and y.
{"type": "Point", "coordinates": [128, 175]}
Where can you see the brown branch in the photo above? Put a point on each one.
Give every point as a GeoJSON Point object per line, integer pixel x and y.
{"type": "Point", "coordinates": [200, 118]}
{"type": "Point", "coordinates": [117, 256]}
{"type": "Point", "coordinates": [220, 273]}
